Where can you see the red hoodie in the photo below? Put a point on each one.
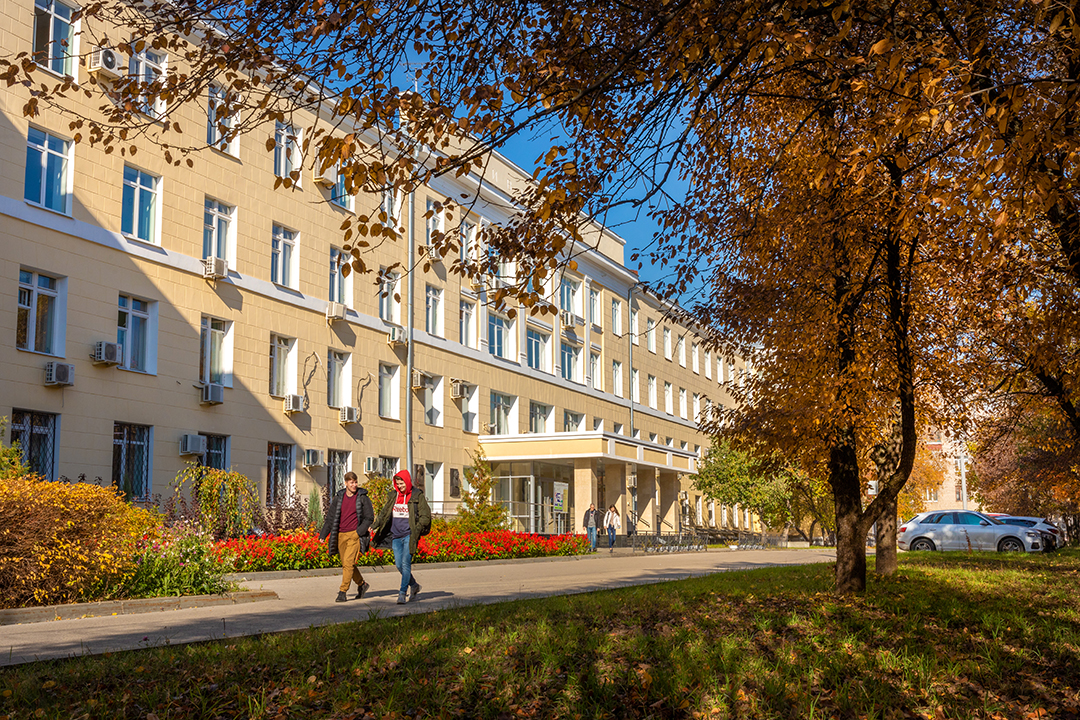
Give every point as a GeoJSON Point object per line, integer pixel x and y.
{"type": "Point", "coordinates": [399, 516]}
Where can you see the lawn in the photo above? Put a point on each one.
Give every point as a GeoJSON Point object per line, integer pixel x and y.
{"type": "Point", "coordinates": [951, 636]}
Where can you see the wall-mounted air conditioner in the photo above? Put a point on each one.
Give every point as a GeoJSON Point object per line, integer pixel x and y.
{"type": "Point", "coordinates": [215, 268]}
{"type": "Point", "coordinates": [335, 311]}
{"type": "Point", "coordinates": [459, 390]}
{"type": "Point", "coordinates": [293, 404]}
{"type": "Point", "coordinates": [430, 252]}
{"type": "Point", "coordinates": [327, 177]}
{"type": "Point", "coordinates": [192, 444]}
{"type": "Point", "coordinates": [349, 415]}
{"type": "Point", "coordinates": [313, 458]}
{"type": "Point", "coordinates": [419, 380]}
{"type": "Point", "coordinates": [631, 480]}
{"type": "Point", "coordinates": [372, 465]}
{"type": "Point", "coordinates": [107, 353]}
{"type": "Point", "coordinates": [107, 63]}
{"type": "Point", "coordinates": [395, 337]}
{"type": "Point", "coordinates": [58, 373]}
{"type": "Point", "coordinates": [212, 394]}
{"type": "Point", "coordinates": [567, 318]}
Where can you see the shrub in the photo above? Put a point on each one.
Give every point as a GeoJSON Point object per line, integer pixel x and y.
{"type": "Point", "coordinates": [174, 561]}
{"type": "Point", "coordinates": [479, 511]}
{"type": "Point", "coordinates": [62, 542]}
{"type": "Point", "coordinates": [220, 502]}
{"type": "Point", "coordinates": [315, 511]}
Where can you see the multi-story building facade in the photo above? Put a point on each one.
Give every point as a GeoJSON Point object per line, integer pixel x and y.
{"type": "Point", "coordinates": [158, 314]}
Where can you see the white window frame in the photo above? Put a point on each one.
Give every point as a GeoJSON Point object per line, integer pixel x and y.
{"type": "Point", "coordinates": [467, 323]}
{"type": "Point", "coordinates": [667, 343]}
{"type": "Point", "coordinates": [572, 421]}
{"type": "Point", "coordinates": [669, 398]}
{"type": "Point", "coordinates": [616, 378]}
{"type": "Point", "coordinates": [389, 395]}
{"type": "Point", "coordinates": [467, 242]}
{"type": "Point", "coordinates": [339, 193]}
{"type": "Point", "coordinates": [542, 342]}
{"type": "Point", "coordinates": [338, 378]}
{"type": "Point", "coordinates": [505, 422]}
{"type": "Point", "coordinates": [47, 154]}
{"type": "Point", "coordinates": [543, 412]}
{"type": "Point", "coordinates": [219, 219]}
{"type": "Point", "coordinates": [287, 457]}
{"type": "Point", "coordinates": [500, 332]}
{"type": "Point", "coordinates": [28, 301]}
{"type": "Point", "coordinates": [284, 256]}
{"type": "Point", "coordinates": [209, 328]}
{"type": "Point", "coordinates": [680, 344]}
{"type": "Point", "coordinates": [54, 57]}
{"type": "Point", "coordinates": [697, 407]}
{"type": "Point", "coordinates": [635, 385]}
{"type": "Point", "coordinates": [682, 403]}
{"type": "Point", "coordinates": [389, 298]}
{"type": "Point", "coordinates": [433, 224]}
{"type": "Point", "coordinates": [470, 410]}
{"type": "Point", "coordinates": [287, 144]}
{"type": "Point", "coordinates": [616, 317]}
{"type": "Point", "coordinates": [147, 314]}
{"type": "Point", "coordinates": [433, 310]}
{"type": "Point", "coordinates": [216, 97]}
{"type": "Point", "coordinates": [570, 355]}
{"type": "Point", "coordinates": [694, 364]}
{"type": "Point", "coordinates": [133, 215]}
{"type": "Point", "coordinates": [595, 374]}
{"type": "Point", "coordinates": [634, 326]}
{"type": "Point", "coordinates": [651, 383]}
{"type": "Point", "coordinates": [594, 307]}
{"type": "Point", "coordinates": [708, 364]}
{"type": "Point", "coordinates": [570, 295]}
{"type": "Point", "coordinates": [650, 334]}
{"type": "Point", "coordinates": [390, 206]}
{"type": "Point", "coordinates": [282, 369]}
{"type": "Point", "coordinates": [432, 397]}
{"type": "Point", "coordinates": [339, 286]}
{"type": "Point", "coordinates": [149, 65]}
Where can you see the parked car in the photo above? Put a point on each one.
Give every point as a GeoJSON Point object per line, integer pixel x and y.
{"type": "Point", "coordinates": [1051, 532]}
{"type": "Point", "coordinates": [965, 530]}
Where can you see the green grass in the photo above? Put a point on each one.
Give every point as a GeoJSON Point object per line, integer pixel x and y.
{"type": "Point", "coordinates": [950, 636]}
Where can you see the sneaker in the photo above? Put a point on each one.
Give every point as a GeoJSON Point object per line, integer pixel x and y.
{"type": "Point", "coordinates": [341, 597]}
{"type": "Point", "coordinates": [361, 590]}
{"type": "Point", "coordinates": [415, 590]}
{"type": "Point", "coordinates": [401, 599]}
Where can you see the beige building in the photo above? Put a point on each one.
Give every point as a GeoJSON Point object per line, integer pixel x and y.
{"type": "Point", "coordinates": [159, 314]}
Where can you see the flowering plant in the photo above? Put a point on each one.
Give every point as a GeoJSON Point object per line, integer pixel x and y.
{"type": "Point", "coordinates": [174, 560]}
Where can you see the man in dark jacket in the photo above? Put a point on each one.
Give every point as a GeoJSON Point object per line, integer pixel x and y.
{"type": "Point", "coordinates": [404, 518]}
{"type": "Point", "coordinates": [347, 524]}
{"type": "Point", "coordinates": [590, 522]}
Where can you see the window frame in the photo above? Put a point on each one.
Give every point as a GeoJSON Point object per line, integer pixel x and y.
{"type": "Point", "coordinates": [124, 333]}
{"type": "Point", "coordinates": [219, 218]}
{"type": "Point", "coordinates": [287, 159]}
{"type": "Point", "coordinates": [285, 455]}
{"type": "Point", "coordinates": [339, 287]}
{"type": "Point", "coordinates": [282, 365]}
{"type": "Point", "coordinates": [537, 344]}
{"type": "Point", "coordinates": [389, 401]}
{"type": "Point", "coordinates": [132, 216]}
{"type": "Point", "coordinates": [55, 313]}
{"type": "Point", "coordinates": [206, 351]}
{"type": "Point", "coordinates": [433, 310]}
{"type": "Point", "coordinates": [46, 58]}
{"type": "Point", "coordinates": [284, 256]}
{"type": "Point", "coordinates": [149, 71]}
{"type": "Point", "coordinates": [62, 184]}
{"type": "Point", "coordinates": [126, 460]}
{"type": "Point", "coordinates": [217, 96]}
{"type": "Point", "coordinates": [40, 458]}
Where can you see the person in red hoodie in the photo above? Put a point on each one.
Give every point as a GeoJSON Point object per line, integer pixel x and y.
{"type": "Point", "coordinates": [405, 517]}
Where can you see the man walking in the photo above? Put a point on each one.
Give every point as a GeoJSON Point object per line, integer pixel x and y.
{"type": "Point", "coordinates": [404, 517]}
{"type": "Point", "coordinates": [590, 523]}
{"type": "Point", "coordinates": [347, 524]}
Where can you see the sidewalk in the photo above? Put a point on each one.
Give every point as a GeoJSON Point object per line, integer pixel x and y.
{"type": "Point", "coordinates": [304, 602]}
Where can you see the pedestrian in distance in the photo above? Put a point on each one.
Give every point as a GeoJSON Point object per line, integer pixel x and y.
{"type": "Point", "coordinates": [347, 527]}
{"type": "Point", "coordinates": [405, 517]}
{"type": "Point", "coordinates": [613, 523]}
{"type": "Point", "coordinates": [590, 523]}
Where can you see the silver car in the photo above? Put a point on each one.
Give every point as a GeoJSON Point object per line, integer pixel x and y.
{"type": "Point", "coordinates": [965, 530]}
{"type": "Point", "coordinates": [1051, 533]}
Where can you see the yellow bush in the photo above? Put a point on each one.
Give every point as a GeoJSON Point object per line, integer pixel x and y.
{"type": "Point", "coordinates": [64, 542]}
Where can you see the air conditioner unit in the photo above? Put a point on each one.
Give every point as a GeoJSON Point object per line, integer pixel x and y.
{"type": "Point", "coordinates": [327, 176]}
{"type": "Point", "coordinates": [212, 394]}
{"type": "Point", "coordinates": [215, 267]}
{"type": "Point", "coordinates": [459, 390]}
{"type": "Point", "coordinates": [430, 252]}
{"type": "Point", "coordinates": [293, 404]}
{"type": "Point", "coordinates": [419, 380]}
{"type": "Point", "coordinates": [57, 373]}
{"type": "Point", "coordinates": [372, 465]}
{"type": "Point", "coordinates": [192, 444]}
{"type": "Point", "coordinates": [349, 415]}
{"type": "Point", "coordinates": [335, 311]}
{"type": "Point", "coordinates": [476, 284]}
{"type": "Point", "coordinates": [683, 495]}
{"type": "Point", "coordinates": [313, 458]}
{"type": "Point", "coordinates": [395, 337]}
{"type": "Point", "coordinates": [567, 318]}
{"type": "Point", "coordinates": [631, 480]}
{"type": "Point", "coordinates": [107, 63]}
{"type": "Point", "coordinates": [107, 353]}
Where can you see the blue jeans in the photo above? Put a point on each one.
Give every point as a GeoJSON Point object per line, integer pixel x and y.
{"type": "Point", "coordinates": [610, 536]}
{"type": "Point", "coordinates": [403, 561]}
{"type": "Point", "coordinates": [592, 538]}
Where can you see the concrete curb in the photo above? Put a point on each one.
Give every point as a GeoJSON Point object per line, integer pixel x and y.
{"type": "Point", "coordinates": [48, 613]}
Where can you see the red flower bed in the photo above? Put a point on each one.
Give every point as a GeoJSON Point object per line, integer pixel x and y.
{"type": "Point", "coordinates": [301, 549]}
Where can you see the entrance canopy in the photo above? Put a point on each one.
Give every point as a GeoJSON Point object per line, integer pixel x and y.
{"type": "Point", "coordinates": [598, 445]}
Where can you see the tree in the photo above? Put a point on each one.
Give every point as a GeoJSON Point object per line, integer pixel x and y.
{"type": "Point", "coordinates": [479, 510]}
{"type": "Point", "coordinates": [734, 477]}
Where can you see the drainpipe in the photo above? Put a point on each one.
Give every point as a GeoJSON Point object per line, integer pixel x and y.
{"type": "Point", "coordinates": [630, 353]}
{"type": "Point", "coordinates": [410, 297]}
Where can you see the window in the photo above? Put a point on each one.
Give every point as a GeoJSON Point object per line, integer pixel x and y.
{"type": "Point", "coordinates": [652, 391]}
{"type": "Point", "coordinates": [433, 224]}
{"type": "Point", "coordinates": [282, 371]}
{"type": "Point", "coordinates": [133, 332]}
{"type": "Point", "coordinates": [931, 495]}
{"type": "Point", "coordinates": [389, 305]}
{"type": "Point", "coordinates": [536, 346]}
{"type": "Point", "coordinates": [470, 410]}
{"type": "Point", "coordinates": [669, 400]}
{"type": "Point", "coordinates": [594, 371]}
{"type": "Point", "coordinates": [286, 151]}
{"type": "Point", "coordinates": [635, 385]}
{"type": "Point", "coordinates": [279, 471]}
{"type": "Point", "coordinates": [650, 334]}
{"type": "Point", "coordinates": [708, 364]}
{"type": "Point", "coordinates": [572, 421]}
{"type": "Point", "coordinates": [54, 36]}
{"type": "Point", "coordinates": [617, 428]}
{"type": "Point", "coordinates": [694, 358]}
{"type": "Point", "coordinates": [217, 228]}
{"type": "Point", "coordinates": [598, 424]}
{"type": "Point", "coordinates": [219, 122]}
{"type": "Point", "coordinates": [212, 367]}
{"type": "Point", "coordinates": [339, 194]}
{"type": "Point", "coordinates": [697, 408]}
{"type": "Point", "coordinates": [616, 378]}
{"type": "Point", "coordinates": [146, 67]}
{"type": "Point", "coordinates": [539, 414]}
{"type": "Point", "coordinates": [433, 311]}
{"type": "Point", "coordinates": [959, 493]}
{"type": "Point", "coordinates": [468, 242]}
{"type": "Point", "coordinates": [283, 257]}
{"type": "Point", "coordinates": [616, 316]}
{"type": "Point", "coordinates": [681, 344]}
{"type": "Point", "coordinates": [35, 434]}
{"type": "Point", "coordinates": [388, 391]}
{"type": "Point", "coordinates": [594, 306]}
{"type": "Point", "coordinates": [698, 509]}
{"type": "Point", "coordinates": [432, 479]}
{"type": "Point", "coordinates": [337, 379]}
{"type": "Point", "coordinates": [337, 464]}
{"type": "Point", "coordinates": [682, 403]}
{"type": "Point", "coordinates": [719, 370]}
{"type": "Point", "coordinates": [667, 343]}
{"type": "Point", "coordinates": [498, 337]}
{"type": "Point", "coordinates": [388, 208]}
{"type": "Point", "coordinates": [432, 396]}
{"type": "Point", "coordinates": [131, 460]}
{"type": "Point", "coordinates": [467, 323]}
{"type": "Point", "coordinates": [217, 451]}
{"type": "Point", "coordinates": [652, 437]}
{"type": "Point", "coordinates": [48, 178]}
{"type": "Point", "coordinates": [633, 326]}
{"type": "Point", "coordinates": [37, 326]}
{"type": "Point", "coordinates": [338, 282]}
{"type": "Point", "coordinates": [568, 295]}
{"type": "Point", "coordinates": [570, 357]}
{"type": "Point", "coordinates": [140, 210]}
{"type": "Point", "coordinates": [502, 407]}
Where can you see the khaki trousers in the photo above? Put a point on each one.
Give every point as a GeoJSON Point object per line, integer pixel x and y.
{"type": "Point", "coordinates": [348, 546]}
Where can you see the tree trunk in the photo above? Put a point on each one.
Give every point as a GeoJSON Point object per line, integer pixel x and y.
{"type": "Point", "coordinates": [850, 531]}
{"type": "Point", "coordinates": [885, 540]}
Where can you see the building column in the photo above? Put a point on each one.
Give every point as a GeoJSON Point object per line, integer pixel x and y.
{"type": "Point", "coordinates": [668, 483]}
{"type": "Point", "coordinates": [584, 488]}
{"type": "Point", "coordinates": [646, 498]}
{"type": "Point", "coordinates": [615, 486]}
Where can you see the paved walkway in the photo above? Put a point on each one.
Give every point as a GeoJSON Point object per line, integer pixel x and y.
{"type": "Point", "coordinates": [309, 601]}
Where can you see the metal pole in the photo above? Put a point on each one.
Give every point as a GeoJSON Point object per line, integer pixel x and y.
{"type": "Point", "coordinates": [630, 353]}
{"type": "Point", "coordinates": [963, 478]}
{"type": "Point", "coordinates": [409, 335]}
